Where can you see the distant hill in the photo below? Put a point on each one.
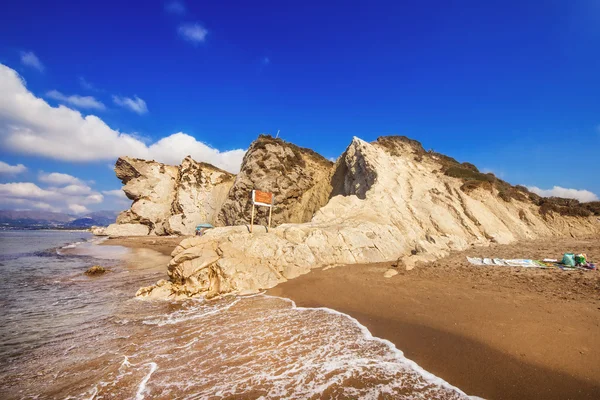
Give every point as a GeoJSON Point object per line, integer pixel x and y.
{"type": "Point", "coordinates": [47, 219]}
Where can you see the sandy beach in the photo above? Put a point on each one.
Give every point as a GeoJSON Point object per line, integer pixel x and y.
{"type": "Point", "coordinates": [164, 245]}
{"type": "Point", "coordinates": [495, 332]}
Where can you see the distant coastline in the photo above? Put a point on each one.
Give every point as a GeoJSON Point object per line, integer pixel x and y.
{"type": "Point", "coordinates": [44, 220]}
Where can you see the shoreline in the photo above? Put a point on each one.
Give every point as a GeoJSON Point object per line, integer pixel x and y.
{"type": "Point", "coordinates": [163, 244]}
{"type": "Point", "coordinates": [493, 332]}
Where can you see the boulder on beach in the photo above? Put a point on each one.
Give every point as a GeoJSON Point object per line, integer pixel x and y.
{"type": "Point", "coordinates": [119, 230]}
{"type": "Point", "coordinates": [95, 270]}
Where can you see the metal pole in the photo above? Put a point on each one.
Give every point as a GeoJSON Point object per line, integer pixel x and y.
{"type": "Point", "coordinates": [270, 210]}
{"type": "Point", "coordinates": [252, 218]}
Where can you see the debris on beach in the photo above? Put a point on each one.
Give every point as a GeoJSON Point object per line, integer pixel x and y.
{"type": "Point", "coordinates": [95, 270]}
{"type": "Point", "coordinates": [390, 272]}
{"type": "Point", "coordinates": [569, 262]}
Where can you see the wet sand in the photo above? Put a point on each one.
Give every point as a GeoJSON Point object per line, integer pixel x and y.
{"type": "Point", "coordinates": [164, 245]}
{"type": "Point", "coordinates": [495, 332]}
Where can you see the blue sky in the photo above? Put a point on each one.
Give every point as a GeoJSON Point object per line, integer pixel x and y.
{"type": "Point", "coordinates": [512, 86]}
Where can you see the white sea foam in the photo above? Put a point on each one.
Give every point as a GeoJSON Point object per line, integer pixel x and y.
{"type": "Point", "coordinates": [198, 311]}
{"type": "Point", "coordinates": [71, 245]}
{"type": "Point", "coordinates": [142, 387]}
{"type": "Point", "coordinates": [258, 344]}
{"type": "Point", "coordinates": [391, 346]}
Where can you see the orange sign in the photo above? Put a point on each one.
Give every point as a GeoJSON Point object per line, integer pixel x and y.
{"type": "Point", "coordinates": [263, 197]}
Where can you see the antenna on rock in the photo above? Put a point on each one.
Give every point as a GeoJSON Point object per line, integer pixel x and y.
{"type": "Point", "coordinates": [276, 136]}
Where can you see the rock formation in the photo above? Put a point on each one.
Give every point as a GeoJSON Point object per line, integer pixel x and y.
{"type": "Point", "coordinates": [390, 200]}
{"type": "Point", "coordinates": [168, 199]}
{"type": "Point", "coordinates": [299, 178]}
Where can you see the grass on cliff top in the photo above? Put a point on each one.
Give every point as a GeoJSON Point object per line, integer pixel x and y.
{"type": "Point", "coordinates": [473, 179]}
{"type": "Point", "coordinates": [299, 152]}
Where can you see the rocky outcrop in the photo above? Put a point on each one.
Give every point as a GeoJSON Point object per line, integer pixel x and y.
{"type": "Point", "coordinates": [390, 200]}
{"type": "Point", "coordinates": [200, 192]}
{"type": "Point", "coordinates": [118, 230]}
{"type": "Point", "coordinates": [299, 178]}
{"type": "Point", "coordinates": [168, 199]}
{"type": "Point", "coordinates": [98, 230]}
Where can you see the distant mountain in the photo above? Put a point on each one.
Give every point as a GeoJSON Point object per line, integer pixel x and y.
{"type": "Point", "coordinates": [97, 218]}
{"type": "Point", "coordinates": [47, 219]}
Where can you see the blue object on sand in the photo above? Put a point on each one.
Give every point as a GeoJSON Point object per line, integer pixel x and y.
{"type": "Point", "coordinates": [202, 226]}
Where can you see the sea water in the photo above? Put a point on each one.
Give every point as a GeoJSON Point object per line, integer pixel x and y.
{"type": "Point", "coordinates": [66, 335]}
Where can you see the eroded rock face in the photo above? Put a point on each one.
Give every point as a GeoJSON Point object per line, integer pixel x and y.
{"type": "Point", "coordinates": [387, 206]}
{"type": "Point", "coordinates": [200, 192]}
{"type": "Point", "coordinates": [119, 230]}
{"type": "Point", "coordinates": [169, 199]}
{"type": "Point", "coordinates": [299, 178]}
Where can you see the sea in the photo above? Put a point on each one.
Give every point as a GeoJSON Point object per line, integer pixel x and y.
{"type": "Point", "coordinates": [66, 335]}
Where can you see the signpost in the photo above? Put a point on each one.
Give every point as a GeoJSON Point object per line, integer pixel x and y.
{"type": "Point", "coordinates": [261, 199]}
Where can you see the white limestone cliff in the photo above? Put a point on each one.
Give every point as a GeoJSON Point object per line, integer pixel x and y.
{"type": "Point", "coordinates": [169, 200]}
{"type": "Point", "coordinates": [390, 201]}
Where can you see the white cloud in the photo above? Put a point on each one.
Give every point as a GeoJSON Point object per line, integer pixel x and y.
{"type": "Point", "coordinates": [557, 191]}
{"type": "Point", "coordinates": [30, 59]}
{"type": "Point", "coordinates": [87, 85]}
{"type": "Point", "coordinates": [30, 195]}
{"type": "Point", "coordinates": [78, 209]}
{"type": "Point", "coordinates": [8, 169]}
{"type": "Point", "coordinates": [136, 104]}
{"type": "Point", "coordinates": [75, 190]}
{"type": "Point", "coordinates": [24, 204]}
{"type": "Point", "coordinates": [29, 125]}
{"type": "Point", "coordinates": [76, 100]}
{"type": "Point", "coordinates": [175, 7]}
{"type": "Point", "coordinates": [174, 148]}
{"type": "Point", "coordinates": [56, 178]}
{"type": "Point", "coordinates": [25, 190]}
{"type": "Point", "coordinates": [118, 193]}
{"type": "Point", "coordinates": [193, 32]}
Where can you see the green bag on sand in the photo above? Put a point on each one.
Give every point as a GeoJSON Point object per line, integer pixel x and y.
{"type": "Point", "coordinates": [569, 259]}
{"type": "Point", "coordinates": [580, 259]}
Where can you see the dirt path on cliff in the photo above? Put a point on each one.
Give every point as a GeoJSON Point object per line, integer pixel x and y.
{"type": "Point", "coordinates": [495, 332]}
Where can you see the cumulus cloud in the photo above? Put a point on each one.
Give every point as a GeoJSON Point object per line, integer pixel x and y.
{"type": "Point", "coordinates": [78, 209]}
{"type": "Point", "coordinates": [136, 104]}
{"type": "Point", "coordinates": [24, 204]}
{"type": "Point", "coordinates": [56, 178]}
{"type": "Point", "coordinates": [193, 32]}
{"type": "Point", "coordinates": [29, 125]}
{"type": "Point", "coordinates": [29, 59]}
{"type": "Point", "coordinates": [26, 190]}
{"type": "Point", "coordinates": [76, 190]}
{"type": "Point", "coordinates": [118, 193]}
{"type": "Point", "coordinates": [7, 169]}
{"type": "Point", "coordinates": [76, 100]}
{"type": "Point", "coordinates": [73, 197]}
{"type": "Point", "coordinates": [175, 7]}
{"type": "Point", "coordinates": [557, 191]}
{"type": "Point", "coordinates": [174, 148]}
